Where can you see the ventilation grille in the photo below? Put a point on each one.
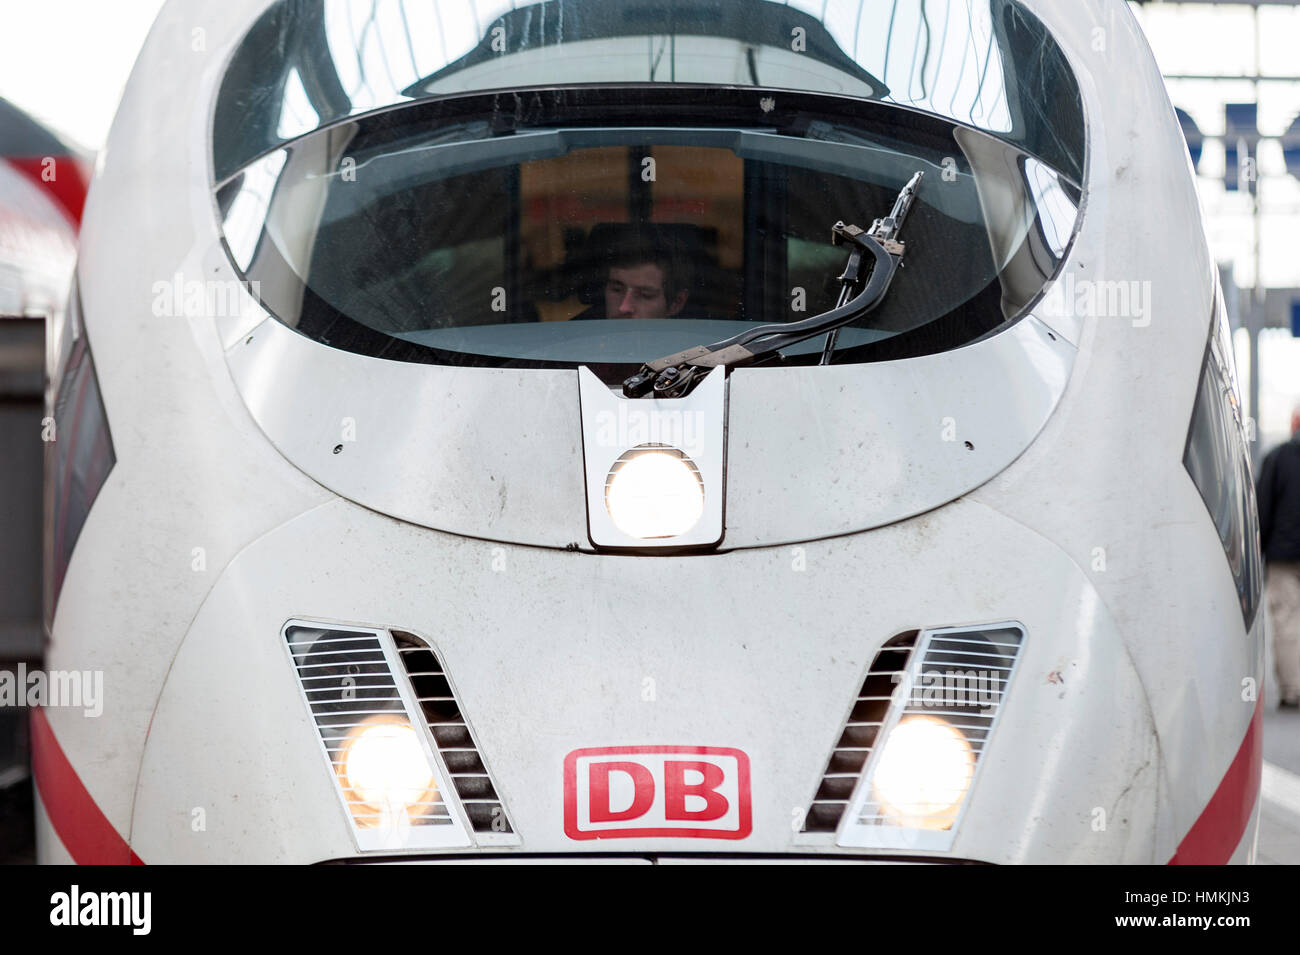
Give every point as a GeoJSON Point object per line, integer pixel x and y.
{"type": "Point", "coordinates": [962, 679]}
{"type": "Point", "coordinates": [346, 679]}
{"type": "Point", "coordinates": [958, 678]}
{"type": "Point", "coordinates": [452, 735]}
{"type": "Point", "coordinates": [870, 710]}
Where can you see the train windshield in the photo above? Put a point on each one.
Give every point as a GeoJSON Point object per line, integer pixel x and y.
{"type": "Point", "coordinates": [617, 219]}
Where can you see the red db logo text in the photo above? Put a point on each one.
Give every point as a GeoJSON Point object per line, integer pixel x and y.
{"type": "Point", "coordinates": [622, 792]}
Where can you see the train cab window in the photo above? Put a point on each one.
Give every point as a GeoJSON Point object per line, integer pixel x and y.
{"type": "Point", "coordinates": [611, 221]}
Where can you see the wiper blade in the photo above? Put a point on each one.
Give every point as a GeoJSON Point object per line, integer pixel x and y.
{"type": "Point", "coordinates": [675, 375]}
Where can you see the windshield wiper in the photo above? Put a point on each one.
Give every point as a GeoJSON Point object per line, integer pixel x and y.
{"type": "Point", "coordinates": [675, 375]}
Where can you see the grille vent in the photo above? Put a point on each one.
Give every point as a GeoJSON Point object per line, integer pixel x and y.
{"type": "Point", "coordinates": [451, 734]}
{"type": "Point", "coordinates": [975, 668]}
{"type": "Point", "coordinates": [957, 676]}
{"type": "Point", "coordinates": [347, 682]}
{"type": "Point", "coordinates": [870, 710]}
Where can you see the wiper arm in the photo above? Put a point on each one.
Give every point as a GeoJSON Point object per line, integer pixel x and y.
{"type": "Point", "coordinates": [675, 375]}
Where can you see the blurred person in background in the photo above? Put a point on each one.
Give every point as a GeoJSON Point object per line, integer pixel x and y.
{"type": "Point", "coordinates": [1279, 537]}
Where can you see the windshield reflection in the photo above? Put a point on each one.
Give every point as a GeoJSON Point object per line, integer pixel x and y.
{"type": "Point", "coordinates": [985, 63]}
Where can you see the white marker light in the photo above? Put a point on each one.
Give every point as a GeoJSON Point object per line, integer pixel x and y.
{"type": "Point", "coordinates": [924, 773]}
{"type": "Point", "coordinates": [384, 771]}
{"type": "Point", "coordinates": [654, 491]}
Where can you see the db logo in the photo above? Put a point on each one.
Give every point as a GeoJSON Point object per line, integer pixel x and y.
{"type": "Point", "coordinates": [681, 791]}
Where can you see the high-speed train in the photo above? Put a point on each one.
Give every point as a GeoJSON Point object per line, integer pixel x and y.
{"type": "Point", "coordinates": [672, 430]}
{"type": "Point", "coordinates": [37, 257]}
{"type": "Point", "coordinates": [42, 190]}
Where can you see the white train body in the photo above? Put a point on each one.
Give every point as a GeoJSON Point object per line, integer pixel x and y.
{"type": "Point", "coordinates": [618, 698]}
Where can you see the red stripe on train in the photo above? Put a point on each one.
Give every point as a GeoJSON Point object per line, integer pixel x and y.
{"type": "Point", "coordinates": [66, 181]}
{"type": "Point", "coordinates": [1216, 834]}
{"type": "Point", "coordinates": [86, 832]}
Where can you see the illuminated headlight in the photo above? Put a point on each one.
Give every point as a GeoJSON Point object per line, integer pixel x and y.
{"type": "Point", "coordinates": [384, 772]}
{"type": "Point", "coordinates": [921, 766]}
{"type": "Point", "coordinates": [924, 772]}
{"type": "Point", "coordinates": [654, 491]}
{"type": "Point", "coordinates": [388, 778]}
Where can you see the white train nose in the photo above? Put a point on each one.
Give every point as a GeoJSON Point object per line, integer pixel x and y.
{"type": "Point", "coordinates": [550, 653]}
{"type": "Point", "coordinates": [357, 378]}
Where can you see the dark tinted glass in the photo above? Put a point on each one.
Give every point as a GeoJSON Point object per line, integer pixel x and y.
{"type": "Point", "coordinates": [455, 231]}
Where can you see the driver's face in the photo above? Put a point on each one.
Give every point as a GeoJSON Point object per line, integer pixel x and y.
{"type": "Point", "coordinates": [638, 292]}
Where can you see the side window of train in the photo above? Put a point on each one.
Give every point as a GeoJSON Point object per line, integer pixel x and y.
{"type": "Point", "coordinates": [1217, 458]}
{"type": "Point", "coordinates": [78, 446]}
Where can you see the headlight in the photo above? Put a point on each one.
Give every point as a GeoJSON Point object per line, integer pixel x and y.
{"type": "Point", "coordinates": [654, 491]}
{"type": "Point", "coordinates": [385, 773]}
{"type": "Point", "coordinates": [384, 712]}
{"type": "Point", "coordinates": [924, 772]}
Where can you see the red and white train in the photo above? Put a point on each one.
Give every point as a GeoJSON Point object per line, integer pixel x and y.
{"type": "Point", "coordinates": [485, 452]}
